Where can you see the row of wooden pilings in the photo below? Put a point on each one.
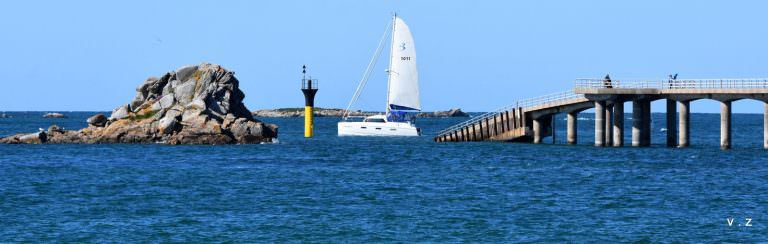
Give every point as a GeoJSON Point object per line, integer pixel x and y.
{"type": "Point", "coordinates": [489, 127]}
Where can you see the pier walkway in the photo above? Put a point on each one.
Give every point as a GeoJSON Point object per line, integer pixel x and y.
{"type": "Point", "coordinates": [532, 119]}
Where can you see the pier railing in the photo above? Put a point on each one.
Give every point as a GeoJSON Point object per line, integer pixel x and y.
{"type": "Point", "coordinates": [761, 83]}
{"type": "Point", "coordinates": [525, 103]}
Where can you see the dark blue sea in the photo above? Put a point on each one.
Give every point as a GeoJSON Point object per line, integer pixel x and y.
{"type": "Point", "coordinates": [329, 189]}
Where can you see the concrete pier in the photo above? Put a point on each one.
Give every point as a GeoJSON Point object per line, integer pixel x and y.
{"type": "Point", "coordinates": [599, 123]}
{"type": "Point", "coordinates": [725, 125]}
{"type": "Point", "coordinates": [671, 123]}
{"type": "Point", "coordinates": [608, 125]}
{"type": "Point", "coordinates": [618, 124]}
{"type": "Point", "coordinates": [511, 123]}
{"type": "Point", "coordinates": [537, 131]}
{"type": "Point", "coordinates": [572, 128]}
{"type": "Point", "coordinates": [684, 123]}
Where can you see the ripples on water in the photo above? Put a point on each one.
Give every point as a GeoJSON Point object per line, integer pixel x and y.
{"type": "Point", "coordinates": [330, 189]}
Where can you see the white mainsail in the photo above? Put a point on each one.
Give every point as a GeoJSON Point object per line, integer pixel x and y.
{"type": "Point", "coordinates": [403, 93]}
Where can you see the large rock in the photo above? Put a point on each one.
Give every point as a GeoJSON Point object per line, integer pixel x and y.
{"type": "Point", "coordinates": [34, 138]}
{"type": "Point", "coordinates": [53, 129]}
{"type": "Point", "coordinates": [120, 112]}
{"type": "Point", "coordinates": [199, 104]}
{"type": "Point", "coordinates": [98, 120]}
{"type": "Point", "coordinates": [167, 125]}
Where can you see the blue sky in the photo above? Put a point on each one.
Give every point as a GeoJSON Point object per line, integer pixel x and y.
{"type": "Point", "coordinates": [477, 55]}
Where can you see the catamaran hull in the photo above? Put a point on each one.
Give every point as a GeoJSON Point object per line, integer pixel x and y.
{"type": "Point", "coordinates": [378, 129]}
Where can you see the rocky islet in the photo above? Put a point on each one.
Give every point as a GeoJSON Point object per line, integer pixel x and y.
{"type": "Point", "coordinates": [199, 104]}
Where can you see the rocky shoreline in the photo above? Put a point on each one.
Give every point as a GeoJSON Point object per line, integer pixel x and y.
{"type": "Point", "coordinates": [337, 112]}
{"type": "Point", "coordinates": [199, 104]}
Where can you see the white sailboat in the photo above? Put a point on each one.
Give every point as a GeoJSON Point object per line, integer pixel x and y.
{"type": "Point", "coordinates": [402, 90]}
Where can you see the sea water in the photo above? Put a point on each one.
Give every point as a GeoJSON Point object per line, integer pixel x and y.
{"type": "Point", "coordinates": [361, 189]}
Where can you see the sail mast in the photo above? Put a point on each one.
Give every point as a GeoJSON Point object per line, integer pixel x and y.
{"type": "Point", "coordinates": [391, 55]}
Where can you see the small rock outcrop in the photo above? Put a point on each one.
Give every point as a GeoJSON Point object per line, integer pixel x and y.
{"type": "Point", "coordinates": [200, 104]}
{"type": "Point", "coordinates": [54, 115]}
{"type": "Point", "coordinates": [454, 112]}
{"type": "Point", "coordinates": [5, 116]}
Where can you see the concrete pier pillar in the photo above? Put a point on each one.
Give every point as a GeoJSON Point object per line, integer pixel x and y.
{"type": "Point", "coordinates": [572, 130]}
{"type": "Point", "coordinates": [608, 125]}
{"type": "Point", "coordinates": [637, 123]}
{"type": "Point", "coordinates": [645, 140]}
{"type": "Point", "coordinates": [618, 124]}
{"type": "Point", "coordinates": [487, 129]}
{"type": "Point", "coordinates": [537, 131]}
{"type": "Point", "coordinates": [599, 123]}
{"type": "Point", "coordinates": [671, 123]}
{"type": "Point", "coordinates": [552, 124]}
{"type": "Point", "coordinates": [765, 127]}
{"type": "Point", "coordinates": [725, 125]}
{"type": "Point", "coordinates": [683, 123]}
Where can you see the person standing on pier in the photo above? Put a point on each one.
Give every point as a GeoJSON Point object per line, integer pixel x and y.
{"type": "Point", "coordinates": [672, 80]}
{"type": "Point", "coordinates": [607, 81]}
